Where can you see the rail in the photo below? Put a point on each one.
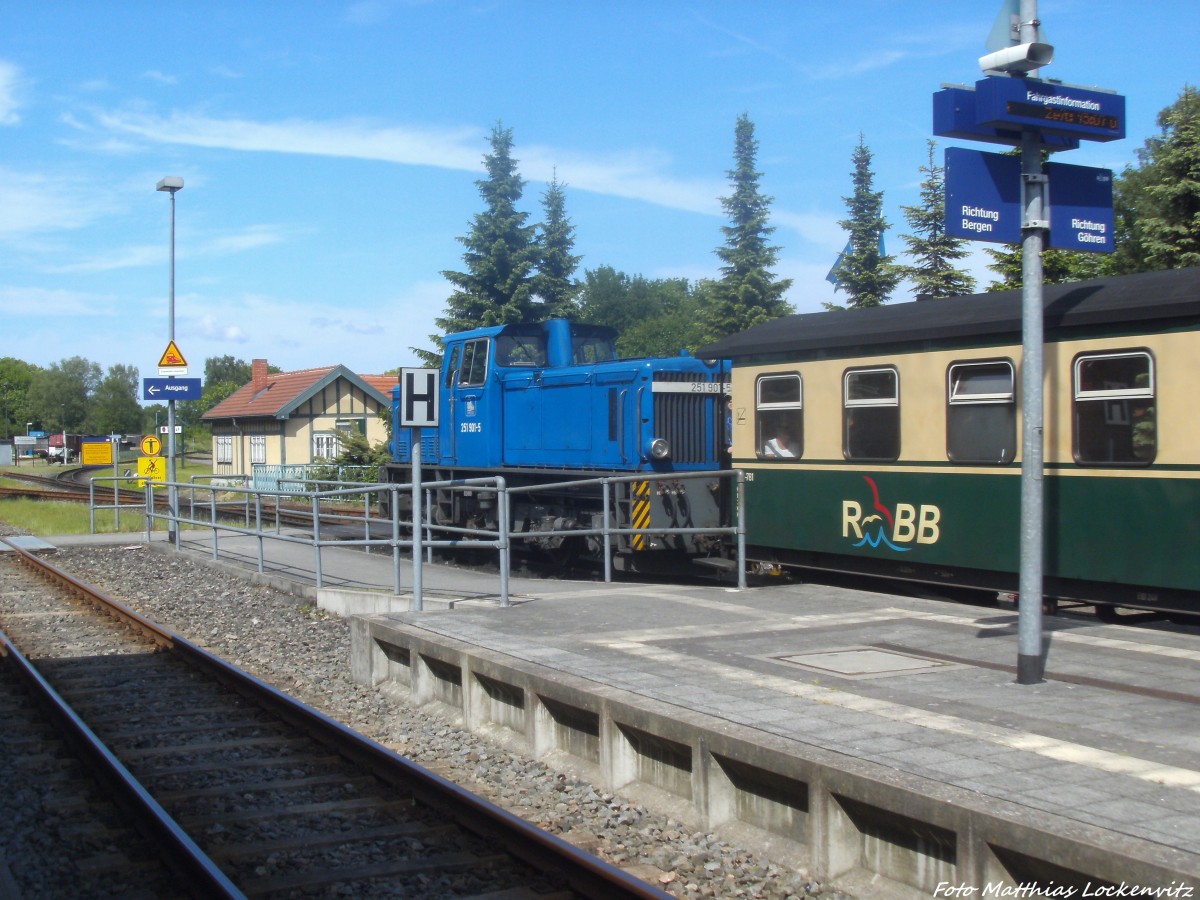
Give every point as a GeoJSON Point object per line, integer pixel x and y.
{"type": "Point", "coordinates": [351, 508]}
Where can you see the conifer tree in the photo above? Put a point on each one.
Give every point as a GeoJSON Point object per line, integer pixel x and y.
{"type": "Point", "coordinates": [748, 292]}
{"type": "Point", "coordinates": [500, 255]}
{"type": "Point", "coordinates": [555, 286]}
{"type": "Point", "coordinates": [864, 272]}
{"type": "Point", "coordinates": [934, 274]}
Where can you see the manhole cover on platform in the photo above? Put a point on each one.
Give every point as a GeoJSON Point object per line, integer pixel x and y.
{"type": "Point", "coordinates": [862, 662]}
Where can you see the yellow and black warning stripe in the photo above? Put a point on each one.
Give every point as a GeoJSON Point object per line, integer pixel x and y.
{"type": "Point", "coordinates": [640, 512]}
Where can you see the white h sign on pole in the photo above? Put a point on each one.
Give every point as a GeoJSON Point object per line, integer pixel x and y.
{"type": "Point", "coordinates": [419, 398]}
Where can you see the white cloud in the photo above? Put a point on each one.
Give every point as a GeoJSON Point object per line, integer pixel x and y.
{"type": "Point", "coordinates": [10, 78]}
{"type": "Point", "coordinates": [33, 302]}
{"type": "Point", "coordinates": [34, 203]}
{"type": "Point", "coordinates": [637, 176]}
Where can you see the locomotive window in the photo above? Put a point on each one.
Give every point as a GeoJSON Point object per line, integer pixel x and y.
{"type": "Point", "coordinates": [452, 369]}
{"type": "Point", "coordinates": [520, 350]}
{"type": "Point", "coordinates": [981, 416]}
{"type": "Point", "coordinates": [871, 414]}
{"type": "Point", "coordinates": [591, 349]}
{"type": "Point", "coordinates": [1114, 409]}
{"type": "Point", "coordinates": [474, 364]}
{"type": "Point", "coordinates": [779, 416]}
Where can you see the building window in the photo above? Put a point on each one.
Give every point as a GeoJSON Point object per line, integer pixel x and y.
{"type": "Point", "coordinates": [258, 449]}
{"type": "Point", "coordinates": [1114, 409]}
{"type": "Point", "coordinates": [871, 414]}
{"type": "Point", "coordinates": [326, 445]}
{"type": "Point", "coordinates": [224, 449]}
{"type": "Point", "coordinates": [981, 413]}
{"type": "Point", "coordinates": [779, 416]}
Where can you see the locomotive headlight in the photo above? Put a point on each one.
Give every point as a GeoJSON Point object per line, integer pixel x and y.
{"type": "Point", "coordinates": [660, 449]}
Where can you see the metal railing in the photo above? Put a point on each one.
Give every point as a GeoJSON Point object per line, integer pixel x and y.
{"type": "Point", "coordinates": [355, 506]}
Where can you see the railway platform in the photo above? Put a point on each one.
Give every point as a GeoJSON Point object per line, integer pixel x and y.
{"type": "Point", "coordinates": [879, 741]}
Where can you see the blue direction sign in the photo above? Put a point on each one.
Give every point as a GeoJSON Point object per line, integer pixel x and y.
{"type": "Point", "coordinates": [1049, 108]}
{"type": "Point", "coordinates": [983, 196]}
{"type": "Point", "coordinates": [1081, 208]}
{"type": "Point", "coordinates": [171, 389]}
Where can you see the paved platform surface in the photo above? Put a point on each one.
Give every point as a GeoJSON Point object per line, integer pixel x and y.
{"type": "Point", "coordinates": [1111, 739]}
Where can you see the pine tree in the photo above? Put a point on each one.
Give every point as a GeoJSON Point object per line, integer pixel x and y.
{"type": "Point", "coordinates": [555, 286]}
{"type": "Point", "coordinates": [1158, 204]}
{"type": "Point", "coordinates": [935, 251]}
{"type": "Point", "coordinates": [1058, 266]}
{"type": "Point", "coordinates": [865, 273]}
{"type": "Point", "coordinates": [500, 255]}
{"type": "Point", "coordinates": [748, 292]}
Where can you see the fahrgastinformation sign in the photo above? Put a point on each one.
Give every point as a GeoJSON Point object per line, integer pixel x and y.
{"type": "Point", "coordinates": [984, 191]}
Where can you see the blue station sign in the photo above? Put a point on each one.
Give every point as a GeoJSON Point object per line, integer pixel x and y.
{"type": "Point", "coordinates": [1050, 108]}
{"type": "Point", "coordinates": [983, 196]}
{"type": "Point", "coordinates": [955, 116]}
{"type": "Point", "coordinates": [171, 389]}
{"type": "Point", "coordinates": [1081, 208]}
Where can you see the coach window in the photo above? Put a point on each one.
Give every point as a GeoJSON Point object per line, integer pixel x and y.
{"type": "Point", "coordinates": [1114, 409]}
{"type": "Point", "coordinates": [474, 363]}
{"type": "Point", "coordinates": [871, 414]}
{"type": "Point", "coordinates": [779, 416]}
{"type": "Point", "coordinates": [981, 413]}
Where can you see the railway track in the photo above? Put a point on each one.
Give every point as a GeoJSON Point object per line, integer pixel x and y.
{"type": "Point", "coordinates": [254, 794]}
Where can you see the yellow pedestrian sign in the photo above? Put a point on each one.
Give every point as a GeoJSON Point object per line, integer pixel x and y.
{"type": "Point", "coordinates": [151, 468]}
{"type": "Point", "coordinates": [151, 446]}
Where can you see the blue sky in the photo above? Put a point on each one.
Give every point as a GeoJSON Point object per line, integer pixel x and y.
{"type": "Point", "coordinates": [330, 150]}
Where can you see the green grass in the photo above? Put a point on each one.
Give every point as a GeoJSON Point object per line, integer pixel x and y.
{"type": "Point", "coordinates": [47, 517]}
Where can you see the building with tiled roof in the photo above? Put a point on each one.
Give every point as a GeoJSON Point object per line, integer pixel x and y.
{"type": "Point", "coordinates": [287, 418]}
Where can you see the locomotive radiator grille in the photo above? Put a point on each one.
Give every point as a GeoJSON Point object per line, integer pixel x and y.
{"type": "Point", "coordinates": [684, 419]}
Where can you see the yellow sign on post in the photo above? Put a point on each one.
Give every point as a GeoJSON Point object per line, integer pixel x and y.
{"type": "Point", "coordinates": [151, 468]}
{"type": "Point", "coordinates": [95, 453]}
{"type": "Point", "coordinates": [151, 446]}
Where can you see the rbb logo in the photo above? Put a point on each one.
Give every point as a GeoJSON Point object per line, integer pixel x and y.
{"type": "Point", "coordinates": [894, 528]}
{"type": "Point", "coordinates": [909, 523]}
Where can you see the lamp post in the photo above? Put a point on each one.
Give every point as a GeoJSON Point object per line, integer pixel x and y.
{"type": "Point", "coordinates": [172, 185]}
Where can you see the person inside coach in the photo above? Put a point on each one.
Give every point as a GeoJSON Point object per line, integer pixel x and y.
{"type": "Point", "coordinates": [783, 445]}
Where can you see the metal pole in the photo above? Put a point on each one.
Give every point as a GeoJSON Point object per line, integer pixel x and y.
{"type": "Point", "coordinates": [418, 602]}
{"type": "Point", "coordinates": [172, 491]}
{"type": "Point", "coordinates": [1030, 665]}
{"type": "Point", "coordinates": [505, 554]}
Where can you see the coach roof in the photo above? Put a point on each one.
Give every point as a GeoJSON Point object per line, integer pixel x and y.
{"type": "Point", "coordinates": [1172, 294]}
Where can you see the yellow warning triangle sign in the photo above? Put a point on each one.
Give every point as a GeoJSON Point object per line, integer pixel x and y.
{"type": "Point", "coordinates": [172, 357]}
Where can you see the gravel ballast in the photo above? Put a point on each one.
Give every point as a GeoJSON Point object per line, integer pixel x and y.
{"type": "Point", "coordinates": [306, 652]}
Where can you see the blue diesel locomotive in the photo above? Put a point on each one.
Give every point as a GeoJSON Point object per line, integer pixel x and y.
{"type": "Point", "coordinates": [547, 403]}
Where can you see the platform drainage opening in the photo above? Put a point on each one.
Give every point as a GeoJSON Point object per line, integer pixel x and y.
{"type": "Point", "coordinates": [863, 662]}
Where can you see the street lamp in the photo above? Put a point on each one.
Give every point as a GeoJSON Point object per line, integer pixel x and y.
{"type": "Point", "coordinates": [172, 185]}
